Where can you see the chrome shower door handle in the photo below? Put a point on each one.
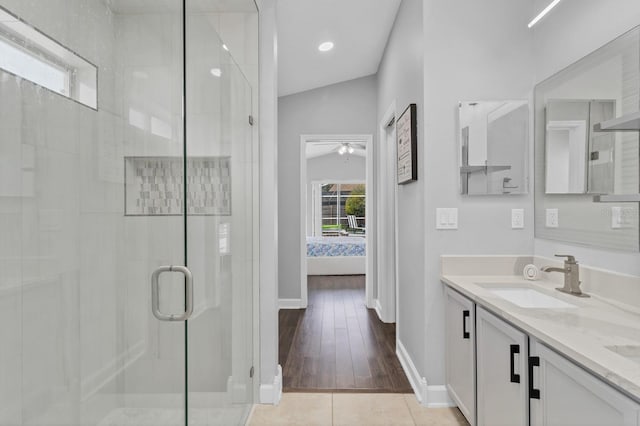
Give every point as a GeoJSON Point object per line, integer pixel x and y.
{"type": "Point", "coordinates": [188, 294]}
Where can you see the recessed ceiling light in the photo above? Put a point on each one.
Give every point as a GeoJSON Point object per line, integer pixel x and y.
{"type": "Point", "coordinates": [224, 46]}
{"type": "Point", "coordinates": [216, 72]}
{"type": "Point", "coordinates": [326, 46]}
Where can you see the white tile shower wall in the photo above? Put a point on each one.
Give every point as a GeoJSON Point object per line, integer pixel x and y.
{"type": "Point", "coordinates": [149, 87]}
{"type": "Point", "coordinates": [73, 231]}
{"type": "Point", "coordinates": [43, 278]}
{"type": "Point", "coordinates": [218, 125]}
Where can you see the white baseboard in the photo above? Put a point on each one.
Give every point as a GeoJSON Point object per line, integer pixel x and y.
{"type": "Point", "coordinates": [290, 304]}
{"type": "Point", "coordinates": [419, 384]}
{"type": "Point", "coordinates": [378, 307]}
{"type": "Point", "coordinates": [271, 393]}
{"type": "Point", "coordinates": [435, 396]}
{"type": "Point", "coordinates": [438, 397]}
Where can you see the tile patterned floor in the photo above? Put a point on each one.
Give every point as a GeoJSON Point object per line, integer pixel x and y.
{"type": "Point", "coordinates": [349, 409]}
{"type": "Point", "coordinates": [173, 417]}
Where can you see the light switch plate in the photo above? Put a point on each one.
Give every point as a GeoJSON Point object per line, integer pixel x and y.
{"type": "Point", "coordinates": [552, 218]}
{"type": "Point", "coordinates": [447, 218]}
{"type": "Point", "coordinates": [517, 218]}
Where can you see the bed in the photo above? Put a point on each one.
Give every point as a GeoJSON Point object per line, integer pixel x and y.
{"type": "Point", "coordinates": [336, 255]}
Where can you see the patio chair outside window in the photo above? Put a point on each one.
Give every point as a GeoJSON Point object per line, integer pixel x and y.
{"type": "Point", "coordinates": [353, 225]}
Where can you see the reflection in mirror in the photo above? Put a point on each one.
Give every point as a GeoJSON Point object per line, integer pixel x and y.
{"type": "Point", "coordinates": [587, 149]}
{"type": "Point", "coordinates": [493, 147]}
{"type": "Point", "coordinates": [571, 145]}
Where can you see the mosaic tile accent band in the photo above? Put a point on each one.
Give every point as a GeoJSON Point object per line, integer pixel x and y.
{"type": "Point", "coordinates": [154, 186]}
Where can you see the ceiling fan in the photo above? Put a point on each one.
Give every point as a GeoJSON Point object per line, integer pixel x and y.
{"type": "Point", "coordinates": [340, 147]}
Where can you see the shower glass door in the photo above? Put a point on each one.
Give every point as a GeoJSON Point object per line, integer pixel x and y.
{"type": "Point", "coordinates": [220, 227]}
{"type": "Point", "coordinates": [94, 200]}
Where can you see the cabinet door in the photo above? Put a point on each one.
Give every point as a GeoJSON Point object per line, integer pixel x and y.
{"type": "Point", "coordinates": [460, 348]}
{"type": "Point", "coordinates": [569, 395]}
{"type": "Point", "coordinates": [501, 354]}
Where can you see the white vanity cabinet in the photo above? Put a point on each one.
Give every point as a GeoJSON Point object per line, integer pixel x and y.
{"type": "Point", "coordinates": [564, 394]}
{"type": "Point", "coordinates": [501, 365]}
{"type": "Point", "coordinates": [500, 376]}
{"type": "Point", "coordinates": [460, 350]}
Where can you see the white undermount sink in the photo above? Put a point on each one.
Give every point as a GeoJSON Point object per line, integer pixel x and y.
{"type": "Point", "coordinates": [529, 298]}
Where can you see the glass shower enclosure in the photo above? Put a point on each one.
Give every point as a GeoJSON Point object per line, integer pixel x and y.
{"type": "Point", "coordinates": [128, 211]}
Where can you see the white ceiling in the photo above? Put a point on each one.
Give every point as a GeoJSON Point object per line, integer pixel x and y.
{"type": "Point", "coordinates": [358, 28]}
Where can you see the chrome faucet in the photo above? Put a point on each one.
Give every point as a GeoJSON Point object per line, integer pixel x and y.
{"type": "Point", "coordinates": [571, 276]}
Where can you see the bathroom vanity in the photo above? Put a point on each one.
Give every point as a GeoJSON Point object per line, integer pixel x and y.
{"type": "Point", "coordinates": [521, 353]}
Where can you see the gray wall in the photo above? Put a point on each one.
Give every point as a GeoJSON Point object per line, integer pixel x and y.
{"type": "Point", "coordinates": [333, 167]}
{"type": "Point", "coordinates": [400, 79]}
{"type": "Point", "coordinates": [343, 108]}
{"type": "Point", "coordinates": [573, 30]}
{"type": "Point", "coordinates": [472, 51]}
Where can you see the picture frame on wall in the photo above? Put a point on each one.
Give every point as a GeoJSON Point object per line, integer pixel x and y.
{"type": "Point", "coordinates": [407, 146]}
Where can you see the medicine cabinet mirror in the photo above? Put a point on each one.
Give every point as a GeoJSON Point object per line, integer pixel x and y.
{"type": "Point", "coordinates": [587, 163]}
{"type": "Point", "coordinates": [493, 146]}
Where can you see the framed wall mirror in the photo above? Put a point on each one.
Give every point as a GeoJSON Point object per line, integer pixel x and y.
{"type": "Point", "coordinates": [587, 162]}
{"type": "Point", "coordinates": [493, 138]}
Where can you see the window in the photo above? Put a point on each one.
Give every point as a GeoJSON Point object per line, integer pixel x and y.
{"type": "Point", "coordinates": [18, 62]}
{"type": "Point", "coordinates": [31, 55]}
{"type": "Point", "coordinates": [340, 200]}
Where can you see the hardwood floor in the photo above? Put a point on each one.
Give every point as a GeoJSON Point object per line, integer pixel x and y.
{"type": "Point", "coordinates": [338, 344]}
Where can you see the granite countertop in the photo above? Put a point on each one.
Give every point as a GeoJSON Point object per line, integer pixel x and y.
{"type": "Point", "coordinates": [581, 334]}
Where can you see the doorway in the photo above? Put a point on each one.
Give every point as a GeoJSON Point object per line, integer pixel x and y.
{"type": "Point", "coordinates": [338, 342]}
{"type": "Point", "coordinates": [387, 271]}
{"type": "Point", "coordinates": [317, 217]}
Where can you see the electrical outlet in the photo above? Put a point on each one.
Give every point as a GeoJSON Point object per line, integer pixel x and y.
{"type": "Point", "coordinates": [552, 218]}
{"type": "Point", "coordinates": [447, 218]}
{"type": "Point", "coordinates": [517, 218]}
{"type": "Point", "coordinates": [621, 217]}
